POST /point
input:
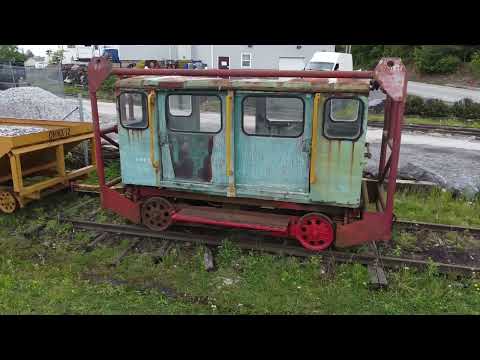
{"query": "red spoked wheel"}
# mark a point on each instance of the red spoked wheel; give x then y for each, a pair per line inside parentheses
(157, 213)
(315, 232)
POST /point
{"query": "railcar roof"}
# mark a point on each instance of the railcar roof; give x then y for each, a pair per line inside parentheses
(309, 85)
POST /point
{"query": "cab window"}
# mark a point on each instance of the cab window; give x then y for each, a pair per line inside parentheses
(133, 110)
(343, 118)
(274, 116)
(197, 113)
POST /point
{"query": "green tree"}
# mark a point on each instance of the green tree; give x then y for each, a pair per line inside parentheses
(10, 53)
(57, 57)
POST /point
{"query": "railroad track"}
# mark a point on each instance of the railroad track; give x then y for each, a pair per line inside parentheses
(453, 130)
(417, 225)
(216, 238)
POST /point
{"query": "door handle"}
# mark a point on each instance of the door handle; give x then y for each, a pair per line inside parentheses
(306, 146)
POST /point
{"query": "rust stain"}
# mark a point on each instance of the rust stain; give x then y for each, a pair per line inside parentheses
(351, 164)
(329, 165)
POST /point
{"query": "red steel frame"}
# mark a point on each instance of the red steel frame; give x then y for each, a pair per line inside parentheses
(390, 76)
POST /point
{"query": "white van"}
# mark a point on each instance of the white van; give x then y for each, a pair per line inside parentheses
(330, 61)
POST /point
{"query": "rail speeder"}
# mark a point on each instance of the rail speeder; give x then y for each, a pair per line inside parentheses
(281, 152)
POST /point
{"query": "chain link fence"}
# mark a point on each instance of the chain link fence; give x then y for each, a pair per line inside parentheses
(49, 78)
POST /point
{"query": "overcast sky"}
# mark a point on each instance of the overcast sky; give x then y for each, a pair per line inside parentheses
(38, 50)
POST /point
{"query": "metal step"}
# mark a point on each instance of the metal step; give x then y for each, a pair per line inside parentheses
(233, 218)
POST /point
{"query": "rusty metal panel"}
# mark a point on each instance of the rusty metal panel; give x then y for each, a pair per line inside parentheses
(339, 167)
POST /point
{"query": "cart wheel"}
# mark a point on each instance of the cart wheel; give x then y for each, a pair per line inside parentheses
(8, 203)
(315, 231)
(157, 213)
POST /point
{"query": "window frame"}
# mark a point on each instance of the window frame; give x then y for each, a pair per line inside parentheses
(167, 112)
(277, 96)
(360, 119)
(241, 60)
(144, 109)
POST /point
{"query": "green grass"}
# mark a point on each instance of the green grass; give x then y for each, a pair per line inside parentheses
(112, 171)
(51, 278)
(52, 274)
(437, 206)
(416, 120)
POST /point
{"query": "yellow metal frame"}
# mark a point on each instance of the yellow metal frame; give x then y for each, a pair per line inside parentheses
(151, 114)
(63, 176)
(231, 192)
(313, 158)
(56, 135)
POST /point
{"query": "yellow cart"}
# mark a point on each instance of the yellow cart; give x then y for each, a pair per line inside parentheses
(30, 149)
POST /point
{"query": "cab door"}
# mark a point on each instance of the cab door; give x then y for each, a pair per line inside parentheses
(338, 149)
(192, 140)
(272, 144)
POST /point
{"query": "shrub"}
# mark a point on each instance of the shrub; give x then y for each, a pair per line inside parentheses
(109, 83)
(466, 109)
(435, 60)
(475, 63)
(448, 64)
(435, 108)
(414, 105)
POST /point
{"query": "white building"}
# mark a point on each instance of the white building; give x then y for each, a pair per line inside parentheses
(227, 56)
(286, 57)
(37, 62)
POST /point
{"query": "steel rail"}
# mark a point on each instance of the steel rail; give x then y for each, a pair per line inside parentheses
(275, 248)
(438, 128)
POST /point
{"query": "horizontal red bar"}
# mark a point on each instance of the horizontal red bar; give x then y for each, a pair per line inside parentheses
(108, 130)
(246, 73)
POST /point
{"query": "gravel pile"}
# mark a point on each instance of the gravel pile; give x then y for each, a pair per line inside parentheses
(19, 130)
(36, 103)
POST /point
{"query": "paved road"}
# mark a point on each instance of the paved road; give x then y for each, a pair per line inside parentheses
(448, 94)
(445, 93)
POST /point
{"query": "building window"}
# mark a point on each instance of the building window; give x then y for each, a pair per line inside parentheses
(273, 116)
(247, 60)
(194, 113)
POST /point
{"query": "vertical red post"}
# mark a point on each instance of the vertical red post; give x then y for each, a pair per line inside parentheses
(98, 139)
(396, 112)
(387, 121)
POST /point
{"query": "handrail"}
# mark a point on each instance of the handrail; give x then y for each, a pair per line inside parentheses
(245, 73)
